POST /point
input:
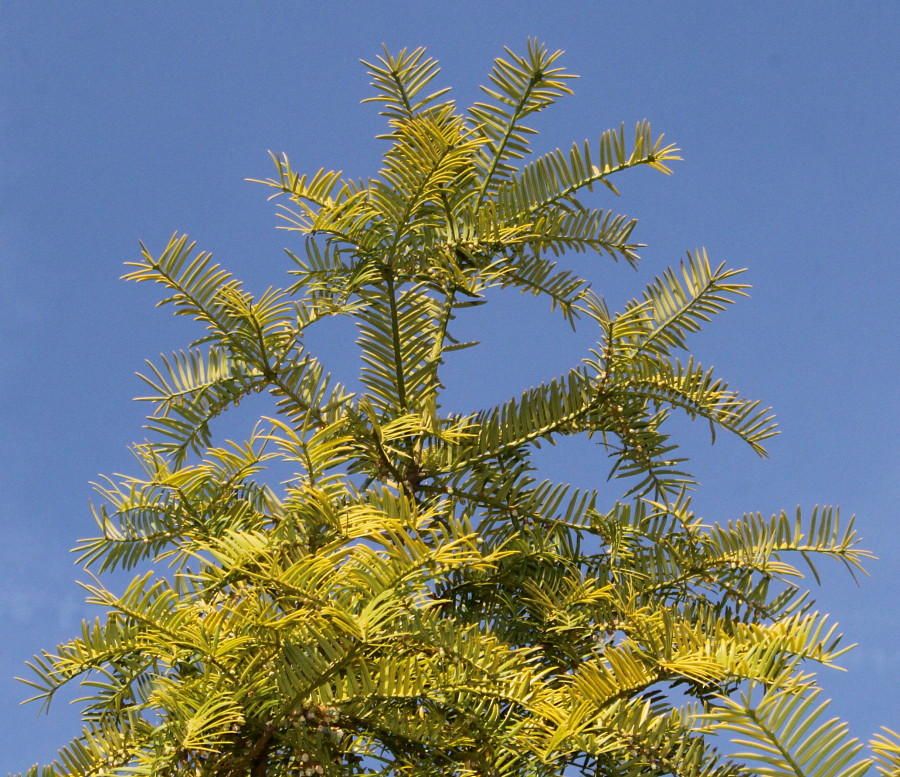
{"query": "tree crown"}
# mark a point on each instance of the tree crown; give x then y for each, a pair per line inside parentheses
(414, 600)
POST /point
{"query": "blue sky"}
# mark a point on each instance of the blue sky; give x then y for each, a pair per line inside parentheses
(128, 121)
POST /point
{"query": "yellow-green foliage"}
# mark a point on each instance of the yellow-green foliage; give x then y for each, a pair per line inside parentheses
(413, 601)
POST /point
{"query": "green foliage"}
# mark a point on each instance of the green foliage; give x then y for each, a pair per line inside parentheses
(413, 600)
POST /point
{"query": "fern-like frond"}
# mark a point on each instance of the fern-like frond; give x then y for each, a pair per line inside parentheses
(644, 455)
(555, 407)
(759, 542)
(696, 391)
(397, 337)
(307, 394)
(193, 281)
(310, 193)
(585, 229)
(539, 277)
(782, 734)
(191, 389)
(522, 85)
(428, 158)
(150, 518)
(553, 180)
(186, 376)
(322, 272)
(674, 307)
(400, 79)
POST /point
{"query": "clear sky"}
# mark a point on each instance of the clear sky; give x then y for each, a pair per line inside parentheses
(127, 121)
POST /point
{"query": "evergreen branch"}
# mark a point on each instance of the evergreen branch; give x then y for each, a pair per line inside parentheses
(673, 307)
(695, 391)
(195, 287)
(776, 732)
(539, 277)
(399, 80)
(526, 85)
(310, 193)
(553, 180)
(555, 407)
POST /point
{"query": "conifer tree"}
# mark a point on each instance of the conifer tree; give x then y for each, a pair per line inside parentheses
(415, 600)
